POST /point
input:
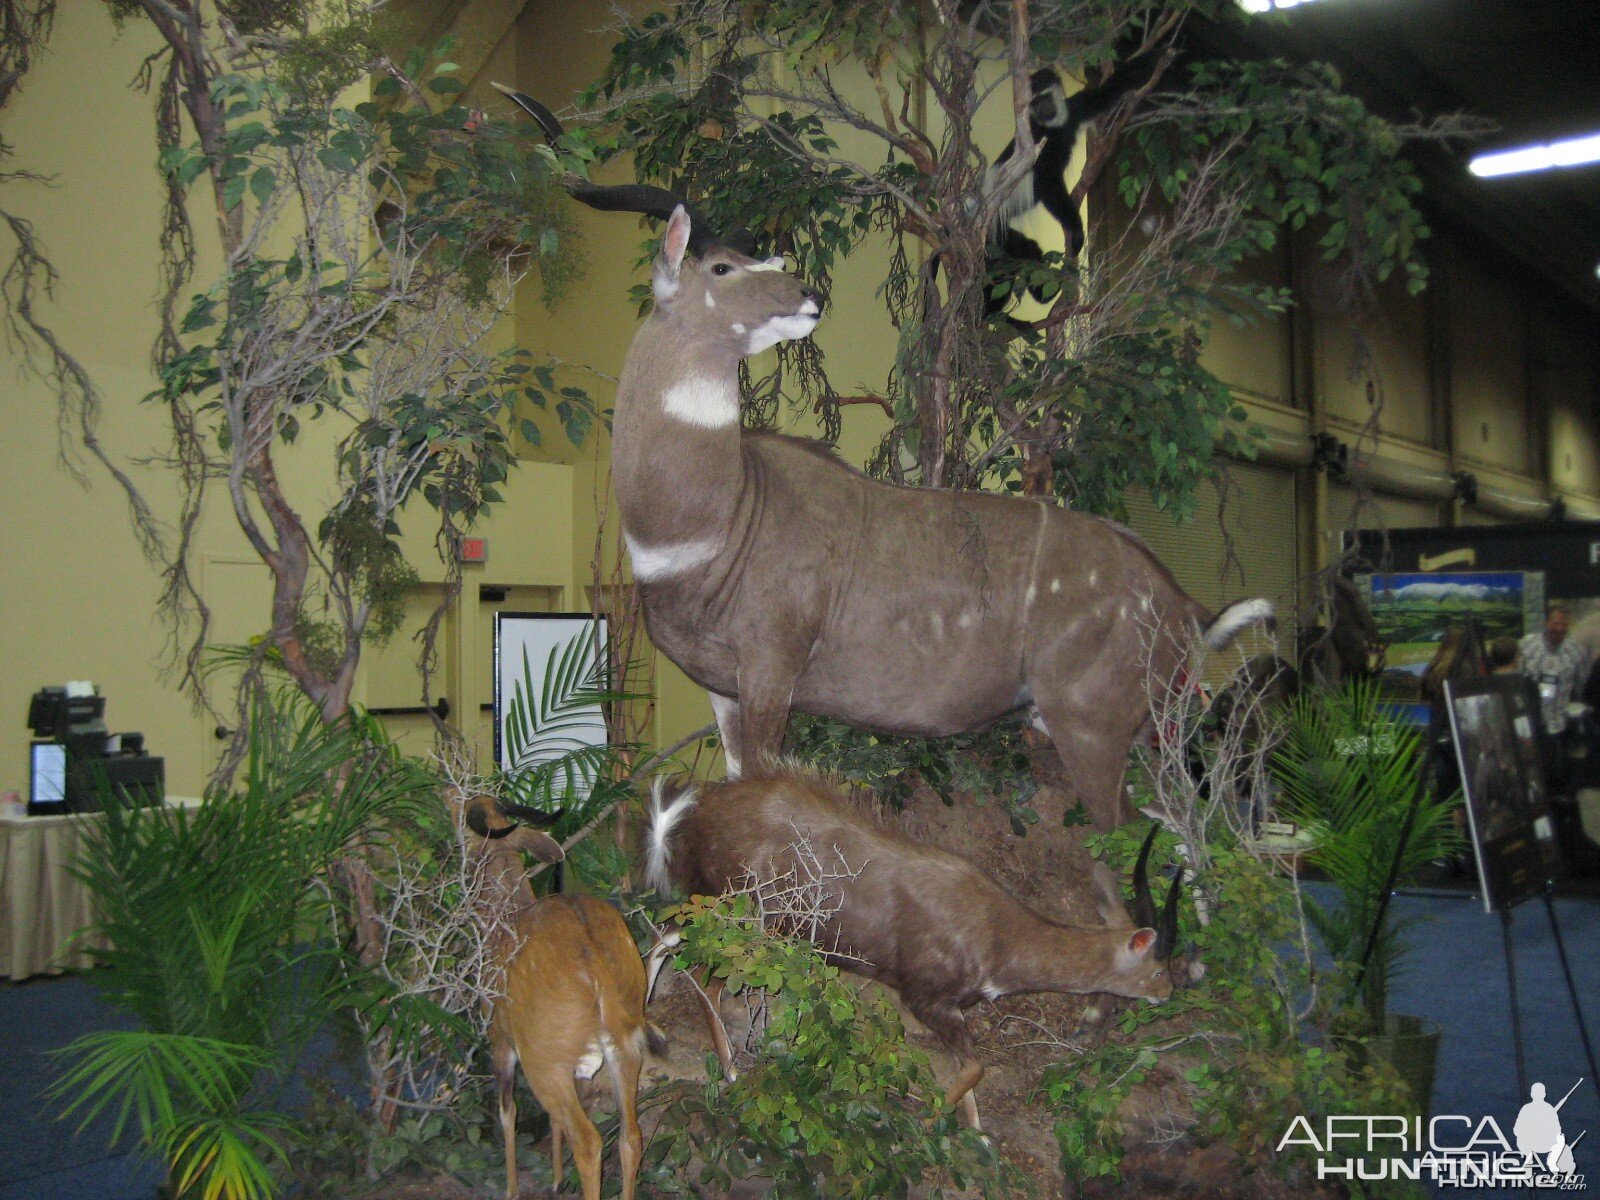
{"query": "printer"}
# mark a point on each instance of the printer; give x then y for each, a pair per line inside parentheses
(76, 760)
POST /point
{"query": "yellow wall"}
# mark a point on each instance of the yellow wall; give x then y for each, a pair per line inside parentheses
(79, 600)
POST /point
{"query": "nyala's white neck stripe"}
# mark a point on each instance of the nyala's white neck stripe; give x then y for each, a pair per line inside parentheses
(707, 403)
(652, 563)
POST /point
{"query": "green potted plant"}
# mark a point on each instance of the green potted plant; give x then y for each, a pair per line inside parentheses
(1351, 772)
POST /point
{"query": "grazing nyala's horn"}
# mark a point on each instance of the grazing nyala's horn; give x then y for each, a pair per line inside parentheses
(643, 198)
(1144, 908)
(1167, 929)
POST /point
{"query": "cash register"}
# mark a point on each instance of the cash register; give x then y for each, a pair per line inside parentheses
(76, 760)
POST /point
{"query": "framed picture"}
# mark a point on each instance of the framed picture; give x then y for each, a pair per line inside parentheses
(1420, 614)
(545, 667)
(1494, 722)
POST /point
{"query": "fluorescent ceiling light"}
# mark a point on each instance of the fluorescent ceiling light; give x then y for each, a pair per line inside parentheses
(1569, 152)
(1261, 6)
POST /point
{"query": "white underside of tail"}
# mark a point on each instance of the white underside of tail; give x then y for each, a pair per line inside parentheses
(1225, 626)
(662, 819)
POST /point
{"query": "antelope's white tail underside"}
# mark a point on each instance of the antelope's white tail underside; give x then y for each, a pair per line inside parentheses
(1228, 623)
(662, 818)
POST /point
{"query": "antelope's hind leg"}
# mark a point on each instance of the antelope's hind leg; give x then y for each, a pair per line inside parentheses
(625, 1064)
(708, 990)
(553, 1085)
(505, 1073)
(950, 1027)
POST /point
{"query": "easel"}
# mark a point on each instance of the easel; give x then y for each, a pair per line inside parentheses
(1511, 870)
(1460, 658)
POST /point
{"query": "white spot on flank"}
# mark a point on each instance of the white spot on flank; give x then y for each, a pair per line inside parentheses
(938, 626)
(1028, 596)
(1055, 586)
(711, 301)
(965, 620)
(651, 563)
(707, 403)
(738, 326)
(1094, 578)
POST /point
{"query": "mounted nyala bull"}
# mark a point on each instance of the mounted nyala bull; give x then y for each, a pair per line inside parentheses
(573, 1003)
(778, 578)
(918, 919)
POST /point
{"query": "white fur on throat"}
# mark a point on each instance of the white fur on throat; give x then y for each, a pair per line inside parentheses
(659, 857)
(651, 563)
(783, 329)
(1225, 626)
(703, 402)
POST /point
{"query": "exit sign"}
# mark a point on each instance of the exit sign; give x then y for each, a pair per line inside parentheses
(474, 550)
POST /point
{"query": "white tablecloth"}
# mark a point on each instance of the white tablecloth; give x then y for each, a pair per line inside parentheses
(43, 904)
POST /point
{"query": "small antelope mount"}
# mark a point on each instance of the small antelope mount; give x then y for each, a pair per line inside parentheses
(574, 1003)
(918, 919)
(778, 578)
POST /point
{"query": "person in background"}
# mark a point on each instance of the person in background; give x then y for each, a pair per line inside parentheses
(1556, 665)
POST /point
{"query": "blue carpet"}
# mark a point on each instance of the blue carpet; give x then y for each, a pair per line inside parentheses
(1456, 975)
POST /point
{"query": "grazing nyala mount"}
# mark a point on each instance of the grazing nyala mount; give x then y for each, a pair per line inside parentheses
(573, 1002)
(921, 920)
(778, 578)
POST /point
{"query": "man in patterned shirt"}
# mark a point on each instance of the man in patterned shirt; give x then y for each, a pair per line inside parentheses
(1556, 664)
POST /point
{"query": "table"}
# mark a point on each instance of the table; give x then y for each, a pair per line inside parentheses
(43, 903)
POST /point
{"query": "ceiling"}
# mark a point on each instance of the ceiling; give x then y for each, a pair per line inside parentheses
(1531, 67)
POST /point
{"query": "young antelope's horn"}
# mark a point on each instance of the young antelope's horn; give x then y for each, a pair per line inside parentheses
(1144, 908)
(1167, 929)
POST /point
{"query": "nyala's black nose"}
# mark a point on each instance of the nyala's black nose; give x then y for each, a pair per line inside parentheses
(816, 297)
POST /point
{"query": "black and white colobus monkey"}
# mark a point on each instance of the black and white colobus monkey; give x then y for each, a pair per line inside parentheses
(1057, 121)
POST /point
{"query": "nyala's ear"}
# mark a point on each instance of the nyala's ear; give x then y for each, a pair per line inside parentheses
(1108, 898)
(541, 845)
(1141, 941)
(668, 263)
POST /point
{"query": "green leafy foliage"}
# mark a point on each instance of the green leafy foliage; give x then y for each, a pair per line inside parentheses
(1351, 772)
(739, 106)
(1255, 1009)
(836, 1104)
(1306, 150)
(219, 938)
(992, 764)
